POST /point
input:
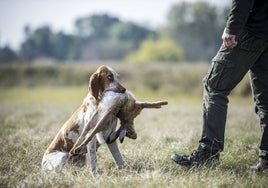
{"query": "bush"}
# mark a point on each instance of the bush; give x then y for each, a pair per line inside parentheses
(157, 51)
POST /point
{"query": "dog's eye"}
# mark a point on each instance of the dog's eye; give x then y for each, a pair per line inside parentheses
(110, 77)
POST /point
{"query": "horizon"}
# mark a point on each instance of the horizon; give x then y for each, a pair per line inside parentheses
(61, 15)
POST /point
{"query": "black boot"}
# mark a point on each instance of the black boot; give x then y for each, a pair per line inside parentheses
(201, 156)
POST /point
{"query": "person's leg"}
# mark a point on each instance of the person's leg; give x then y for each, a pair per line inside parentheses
(259, 83)
(227, 69)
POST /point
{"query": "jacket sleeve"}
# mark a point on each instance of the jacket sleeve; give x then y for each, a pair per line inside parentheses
(238, 15)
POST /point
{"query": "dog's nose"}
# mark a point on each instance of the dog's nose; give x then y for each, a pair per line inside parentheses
(123, 90)
(120, 89)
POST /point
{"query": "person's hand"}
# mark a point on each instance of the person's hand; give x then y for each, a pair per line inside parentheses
(228, 40)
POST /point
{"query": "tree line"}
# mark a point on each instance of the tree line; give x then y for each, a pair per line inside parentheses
(192, 32)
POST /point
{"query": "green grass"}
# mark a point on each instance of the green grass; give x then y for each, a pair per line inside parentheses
(30, 118)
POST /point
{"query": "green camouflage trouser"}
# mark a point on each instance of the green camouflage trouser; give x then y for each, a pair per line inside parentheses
(228, 68)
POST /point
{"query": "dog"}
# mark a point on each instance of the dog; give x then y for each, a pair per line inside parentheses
(104, 79)
(123, 106)
(95, 123)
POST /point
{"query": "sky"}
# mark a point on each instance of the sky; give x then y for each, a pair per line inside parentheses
(60, 15)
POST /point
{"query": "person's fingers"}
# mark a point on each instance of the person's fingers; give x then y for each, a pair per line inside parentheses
(229, 41)
(234, 43)
(225, 40)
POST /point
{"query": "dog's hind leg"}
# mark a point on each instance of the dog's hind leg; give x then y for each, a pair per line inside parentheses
(113, 147)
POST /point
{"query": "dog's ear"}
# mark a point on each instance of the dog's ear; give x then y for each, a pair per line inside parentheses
(94, 85)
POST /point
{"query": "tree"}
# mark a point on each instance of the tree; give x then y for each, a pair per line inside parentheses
(95, 26)
(38, 44)
(42, 42)
(65, 47)
(7, 55)
(131, 33)
(197, 27)
(107, 38)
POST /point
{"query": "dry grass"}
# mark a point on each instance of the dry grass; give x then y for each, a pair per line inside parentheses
(30, 119)
(27, 127)
(168, 79)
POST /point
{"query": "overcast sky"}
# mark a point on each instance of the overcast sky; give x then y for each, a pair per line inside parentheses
(61, 14)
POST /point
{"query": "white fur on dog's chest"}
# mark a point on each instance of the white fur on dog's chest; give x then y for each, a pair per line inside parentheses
(83, 119)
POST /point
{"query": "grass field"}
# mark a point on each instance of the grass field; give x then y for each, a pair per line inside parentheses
(30, 118)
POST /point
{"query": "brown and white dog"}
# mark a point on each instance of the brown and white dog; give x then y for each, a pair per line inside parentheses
(126, 108)
(95, 123)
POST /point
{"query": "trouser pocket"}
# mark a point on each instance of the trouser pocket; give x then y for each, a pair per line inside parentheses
(220, 75)
(250, 43)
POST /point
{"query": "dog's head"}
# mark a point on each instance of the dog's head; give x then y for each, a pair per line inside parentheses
(103, 79)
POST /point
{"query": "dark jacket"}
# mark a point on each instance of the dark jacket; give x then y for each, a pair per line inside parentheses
(251, 15)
